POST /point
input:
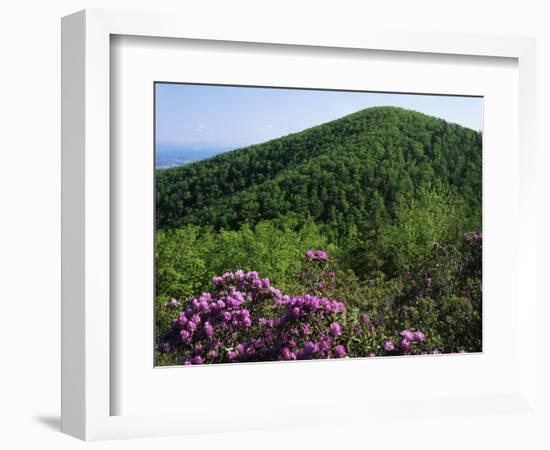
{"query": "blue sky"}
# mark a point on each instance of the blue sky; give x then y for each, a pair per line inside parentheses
(205, 116)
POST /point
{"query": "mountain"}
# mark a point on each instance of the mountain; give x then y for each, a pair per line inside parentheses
(339, 173)
(170, 155)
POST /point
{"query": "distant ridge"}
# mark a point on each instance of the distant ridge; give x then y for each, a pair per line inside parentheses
(172, 155)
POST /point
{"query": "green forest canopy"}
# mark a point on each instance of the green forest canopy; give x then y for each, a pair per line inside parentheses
(340, 173)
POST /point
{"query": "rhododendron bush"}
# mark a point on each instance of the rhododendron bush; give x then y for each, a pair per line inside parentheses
(244, 318)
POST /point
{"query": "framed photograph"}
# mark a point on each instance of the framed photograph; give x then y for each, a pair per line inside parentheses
(342, 224)
(257, 221)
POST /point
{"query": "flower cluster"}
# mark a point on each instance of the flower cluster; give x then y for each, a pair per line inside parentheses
(219, 326)
(318, 255)
(316, 275)
(172, 303)
(308, 328)
(244, 318)
(472, 236)
(407, 339)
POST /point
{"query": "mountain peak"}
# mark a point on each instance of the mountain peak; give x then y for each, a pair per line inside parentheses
(325, 171)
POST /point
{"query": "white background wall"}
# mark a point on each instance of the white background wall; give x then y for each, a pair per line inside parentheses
(30, 200)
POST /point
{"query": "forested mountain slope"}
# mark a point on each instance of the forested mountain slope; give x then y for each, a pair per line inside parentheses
(340, 173)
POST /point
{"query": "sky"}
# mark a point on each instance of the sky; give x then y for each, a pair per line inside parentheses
(207, 116)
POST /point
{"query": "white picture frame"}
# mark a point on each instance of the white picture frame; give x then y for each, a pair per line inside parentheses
(87, 384)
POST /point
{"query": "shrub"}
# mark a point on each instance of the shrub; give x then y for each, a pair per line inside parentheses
(244, 318)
